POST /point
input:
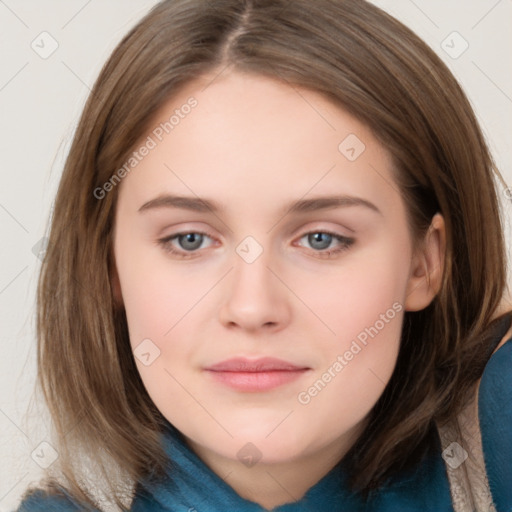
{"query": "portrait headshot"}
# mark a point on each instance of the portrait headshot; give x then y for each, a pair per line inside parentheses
(257, 256)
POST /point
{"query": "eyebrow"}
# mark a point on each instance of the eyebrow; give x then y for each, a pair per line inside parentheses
(203, 205)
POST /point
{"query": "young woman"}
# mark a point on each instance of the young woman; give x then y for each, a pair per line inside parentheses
(276, 274)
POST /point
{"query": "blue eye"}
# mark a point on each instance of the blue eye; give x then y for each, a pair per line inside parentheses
(187, 244)
(322, 240)
(190, 241)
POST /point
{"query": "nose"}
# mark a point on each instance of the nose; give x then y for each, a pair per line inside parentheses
(255, 298)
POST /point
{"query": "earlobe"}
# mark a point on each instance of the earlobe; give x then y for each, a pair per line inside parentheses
(427, 267)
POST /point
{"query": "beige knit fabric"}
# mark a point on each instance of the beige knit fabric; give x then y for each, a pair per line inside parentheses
(461, 442)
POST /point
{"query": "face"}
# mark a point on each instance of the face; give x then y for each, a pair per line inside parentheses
(264, 261)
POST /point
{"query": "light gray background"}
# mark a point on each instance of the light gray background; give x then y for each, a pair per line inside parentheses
(40, 101)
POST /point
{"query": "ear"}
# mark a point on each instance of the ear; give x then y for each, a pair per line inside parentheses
(427, 267)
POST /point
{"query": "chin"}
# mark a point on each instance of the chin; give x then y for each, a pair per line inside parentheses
(274, 446)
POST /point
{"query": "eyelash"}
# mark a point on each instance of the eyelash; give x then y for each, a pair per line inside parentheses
(345, 244)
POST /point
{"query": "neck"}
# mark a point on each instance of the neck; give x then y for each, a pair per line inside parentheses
(273, 484)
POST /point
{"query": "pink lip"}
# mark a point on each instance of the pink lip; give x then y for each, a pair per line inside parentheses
(255, 375)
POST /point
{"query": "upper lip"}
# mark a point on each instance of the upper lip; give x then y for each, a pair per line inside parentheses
(263, 364)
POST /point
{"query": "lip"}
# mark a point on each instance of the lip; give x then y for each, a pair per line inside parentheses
(255, 375)
(262, 364)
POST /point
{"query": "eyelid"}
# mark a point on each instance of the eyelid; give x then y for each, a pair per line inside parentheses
(343, 232)
(165, 243)
(344, 242)
(209, 235)
(183, 232)
(334, 234)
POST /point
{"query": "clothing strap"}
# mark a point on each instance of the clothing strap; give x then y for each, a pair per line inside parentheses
(461, 442)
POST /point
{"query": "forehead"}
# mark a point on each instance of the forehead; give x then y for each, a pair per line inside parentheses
(247, 137)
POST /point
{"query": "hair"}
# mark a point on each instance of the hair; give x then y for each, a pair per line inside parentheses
(376, 69)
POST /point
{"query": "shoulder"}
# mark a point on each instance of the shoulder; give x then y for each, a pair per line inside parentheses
(495, 416)
(495, 386)
(41, 501)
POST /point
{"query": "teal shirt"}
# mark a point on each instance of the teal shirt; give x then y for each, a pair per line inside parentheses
(195, 488)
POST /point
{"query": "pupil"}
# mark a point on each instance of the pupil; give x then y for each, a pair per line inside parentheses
(320, 240)
(191, 241)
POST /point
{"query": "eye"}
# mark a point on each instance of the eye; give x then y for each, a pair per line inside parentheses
(188, 243)
(321, 241)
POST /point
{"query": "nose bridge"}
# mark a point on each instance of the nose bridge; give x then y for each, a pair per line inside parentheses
(253, 297)
(251, 274)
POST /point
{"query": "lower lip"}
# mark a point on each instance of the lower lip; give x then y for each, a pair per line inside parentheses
(256, 381)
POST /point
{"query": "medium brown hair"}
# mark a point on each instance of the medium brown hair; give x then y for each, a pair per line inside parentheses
(379, 71)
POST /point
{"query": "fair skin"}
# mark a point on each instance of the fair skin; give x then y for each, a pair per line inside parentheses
(253, 145)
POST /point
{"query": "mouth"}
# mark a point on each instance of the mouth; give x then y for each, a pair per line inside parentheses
(255, 375)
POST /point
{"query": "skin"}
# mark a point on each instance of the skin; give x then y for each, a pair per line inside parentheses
(254, 144)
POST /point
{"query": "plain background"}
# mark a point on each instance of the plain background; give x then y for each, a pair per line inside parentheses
(41, 99)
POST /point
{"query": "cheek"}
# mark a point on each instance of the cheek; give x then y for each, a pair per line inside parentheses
(353, 296)
(156, 296)
(361, 307)
(160, 306)
(356, 363)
